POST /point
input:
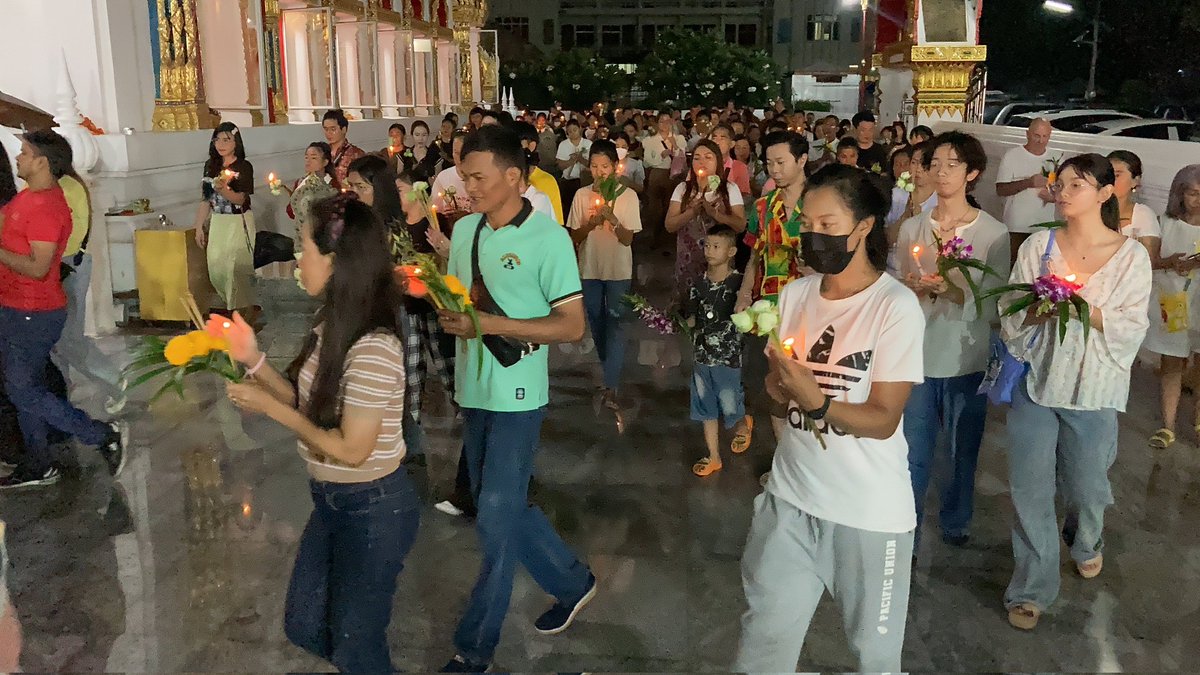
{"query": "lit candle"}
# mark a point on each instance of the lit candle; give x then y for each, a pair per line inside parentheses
(916, 254)
(1070, 278)
(271, 177)
(787, 346)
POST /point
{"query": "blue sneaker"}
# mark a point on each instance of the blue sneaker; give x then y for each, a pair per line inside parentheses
(559, 617)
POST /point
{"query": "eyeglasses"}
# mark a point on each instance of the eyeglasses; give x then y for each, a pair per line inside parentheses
(1071, 188)
(936, 166)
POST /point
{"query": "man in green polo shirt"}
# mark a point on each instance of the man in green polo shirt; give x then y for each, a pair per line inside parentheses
(523, 277)
(773, 234)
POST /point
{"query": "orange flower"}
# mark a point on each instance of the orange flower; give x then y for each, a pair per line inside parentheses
(454, 285)
(179, 350)
(410, 271)
(416, 288)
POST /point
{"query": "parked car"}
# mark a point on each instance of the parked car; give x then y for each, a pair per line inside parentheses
(1001, 112)
(1167, 130)
(1070, 120)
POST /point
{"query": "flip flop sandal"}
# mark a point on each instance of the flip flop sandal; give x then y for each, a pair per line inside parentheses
(741, 442)
(1091, 569)
(706, 467)
(1164, 438)
(1024, 616)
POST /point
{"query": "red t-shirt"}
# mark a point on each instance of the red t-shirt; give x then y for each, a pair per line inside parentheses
(34, 216)
(739, 175)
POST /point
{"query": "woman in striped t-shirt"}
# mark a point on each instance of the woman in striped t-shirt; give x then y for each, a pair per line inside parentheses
(344, 397)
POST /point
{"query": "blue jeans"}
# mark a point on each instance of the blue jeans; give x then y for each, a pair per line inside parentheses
(1077, 447)
(26, 339)
(339, 600)
(500, 447)
(949, 405)
(77, 350)
(607, 315)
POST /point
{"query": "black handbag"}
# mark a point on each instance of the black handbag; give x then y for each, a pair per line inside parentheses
(506, 350)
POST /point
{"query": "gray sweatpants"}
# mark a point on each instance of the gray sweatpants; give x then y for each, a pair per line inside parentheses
(791, 558)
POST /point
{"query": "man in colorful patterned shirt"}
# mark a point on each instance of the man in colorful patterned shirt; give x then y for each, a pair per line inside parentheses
(773, 234)
(336, 126)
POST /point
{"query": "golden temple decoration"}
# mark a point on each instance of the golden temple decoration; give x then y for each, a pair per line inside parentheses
(943, 76)
(181, 104)
(274, 48)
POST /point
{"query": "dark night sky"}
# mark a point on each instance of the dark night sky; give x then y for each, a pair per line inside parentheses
(1031, 49)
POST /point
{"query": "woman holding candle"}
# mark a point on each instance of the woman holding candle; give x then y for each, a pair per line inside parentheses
(1174, 316)
(703, 200)
(837, 516)
(1137, 220)
(317, 184)
(395, 152)
(343, 397)
(224, 222)
(423, 160)
(957, 335)
(603, 232)
(1063, 421)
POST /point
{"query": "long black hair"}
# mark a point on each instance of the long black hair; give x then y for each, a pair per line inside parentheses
(1099, 168)
(8, 186)
(360, 298)
(865, 194)
(374, 170)
(214, 164)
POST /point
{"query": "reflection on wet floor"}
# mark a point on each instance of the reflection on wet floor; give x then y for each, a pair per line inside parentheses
(182, 563)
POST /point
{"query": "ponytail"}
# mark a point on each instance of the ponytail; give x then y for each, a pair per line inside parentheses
(1110, 213)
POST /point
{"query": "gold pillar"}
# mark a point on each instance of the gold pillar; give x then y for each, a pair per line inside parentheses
(180, 105)
(468, 15)
(273, 46)
(943, 77)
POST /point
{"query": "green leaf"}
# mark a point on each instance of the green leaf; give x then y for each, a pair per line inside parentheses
(1023, 303)
(1051, 225)
(1007, 288)
(150, 375)
(1064, 320)
(1085, 314)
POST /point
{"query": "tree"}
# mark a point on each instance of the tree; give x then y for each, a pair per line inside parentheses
(577, 78)
(697, 68)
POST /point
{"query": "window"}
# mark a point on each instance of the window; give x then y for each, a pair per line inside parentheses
(629, 35)
(585, 35)
(567, 35)
(517, 25)
(747, 34)
(1160, 131)
(856, 29)
(783, 31)
(548, 32)
(649, 34)
(822, 27)
(610, 36)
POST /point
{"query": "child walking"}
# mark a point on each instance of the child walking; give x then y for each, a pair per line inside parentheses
(716, 344)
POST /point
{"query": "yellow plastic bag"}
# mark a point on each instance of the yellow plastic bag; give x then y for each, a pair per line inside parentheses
(1174, 311)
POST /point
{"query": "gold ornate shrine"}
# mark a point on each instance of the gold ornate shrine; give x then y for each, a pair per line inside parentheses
(180, 104)
(943, 77)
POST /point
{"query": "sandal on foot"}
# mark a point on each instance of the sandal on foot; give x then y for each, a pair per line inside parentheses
(1024, 616)
(741, 442)
(1091, 569)
(1164, 438)
(706, 467)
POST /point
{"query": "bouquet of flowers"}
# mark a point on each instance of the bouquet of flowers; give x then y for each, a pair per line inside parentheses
(762, 318)
(713, 183)
(656, 319)
(1050, 168)
(205, 349)
(1050, 294)
(274, 183)
(609, 189)
(956, 255)
(449, 194)
(421, 279)
(905, 182)
(420, 193)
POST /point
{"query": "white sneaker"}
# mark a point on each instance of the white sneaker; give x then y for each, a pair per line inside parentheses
(447, 508)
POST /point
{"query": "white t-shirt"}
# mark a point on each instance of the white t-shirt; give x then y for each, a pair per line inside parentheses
(449, 178)
(1025, 209)
(1144, 223)
(601, 255)
(566, 149)
(540, 202)
(873, 336)
(735, 195)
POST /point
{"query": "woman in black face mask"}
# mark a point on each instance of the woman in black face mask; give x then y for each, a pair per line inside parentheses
(838, 510)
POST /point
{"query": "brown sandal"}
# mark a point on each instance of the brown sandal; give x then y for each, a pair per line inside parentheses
(706, 467)
(741, 442)
(1024, 615)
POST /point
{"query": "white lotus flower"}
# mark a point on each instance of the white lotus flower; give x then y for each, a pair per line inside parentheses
(766, 322)
(752, 89)
(762, 306)
(421, 186)
(742, 321)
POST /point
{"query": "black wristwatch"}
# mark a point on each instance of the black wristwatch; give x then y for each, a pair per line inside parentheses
(819, 413)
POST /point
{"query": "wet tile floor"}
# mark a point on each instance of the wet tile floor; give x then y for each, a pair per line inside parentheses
(181, 564)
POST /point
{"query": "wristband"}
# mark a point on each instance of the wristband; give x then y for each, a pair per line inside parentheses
(819, 413)
(261, 360)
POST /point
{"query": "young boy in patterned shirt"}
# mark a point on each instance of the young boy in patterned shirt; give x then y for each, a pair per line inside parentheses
(716, 344)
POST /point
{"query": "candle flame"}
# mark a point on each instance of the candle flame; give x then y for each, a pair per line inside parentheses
(787, 345)
(416, 271)
(916, 250)
(271, 177)
(246, 509)
(1070, 278)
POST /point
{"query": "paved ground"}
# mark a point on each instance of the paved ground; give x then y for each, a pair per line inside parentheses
(181, 564)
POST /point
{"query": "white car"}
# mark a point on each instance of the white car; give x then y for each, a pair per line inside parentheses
(1166, 130)
(1070, 120)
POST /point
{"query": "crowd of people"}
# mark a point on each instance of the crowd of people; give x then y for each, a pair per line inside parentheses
(876, 360)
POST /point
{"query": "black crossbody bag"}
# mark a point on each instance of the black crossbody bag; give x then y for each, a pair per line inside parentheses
(506, 350)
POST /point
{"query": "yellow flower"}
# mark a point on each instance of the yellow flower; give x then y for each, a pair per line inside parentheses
(180, 350)
(454, 285)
